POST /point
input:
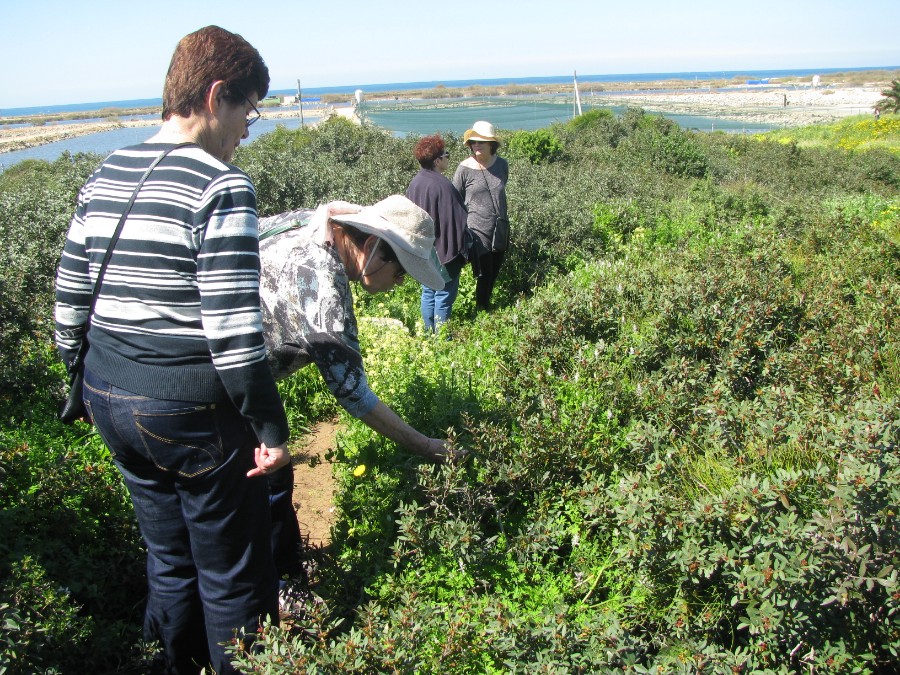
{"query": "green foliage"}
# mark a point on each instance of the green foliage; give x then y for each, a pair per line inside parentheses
(306, 400)
(679, 462)
(36, 204)
(594, 129)
(30, 642)
(861, 132)
(682, 424)
(539, 146)
(669, 148)
(71, 564)
(591, 118)
(302, 168)
(891, 100)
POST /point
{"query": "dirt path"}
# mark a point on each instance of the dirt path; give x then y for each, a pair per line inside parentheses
(313, 485)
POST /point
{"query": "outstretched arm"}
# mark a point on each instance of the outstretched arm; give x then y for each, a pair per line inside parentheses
(389, 424)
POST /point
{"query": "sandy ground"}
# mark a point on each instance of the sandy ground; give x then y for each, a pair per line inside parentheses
(314, 485)
(804, 106)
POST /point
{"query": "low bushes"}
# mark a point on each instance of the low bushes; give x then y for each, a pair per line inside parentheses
(683, 458)
(682, 425)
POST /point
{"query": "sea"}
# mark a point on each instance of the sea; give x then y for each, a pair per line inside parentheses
(507, 113)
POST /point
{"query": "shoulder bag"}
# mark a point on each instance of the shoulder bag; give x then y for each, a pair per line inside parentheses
(500, 236)
(73, 407)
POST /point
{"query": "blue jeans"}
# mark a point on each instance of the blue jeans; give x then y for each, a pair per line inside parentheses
(206, 525)
(437, 305)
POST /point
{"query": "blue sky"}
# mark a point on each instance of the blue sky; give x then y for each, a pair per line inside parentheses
(61, 52)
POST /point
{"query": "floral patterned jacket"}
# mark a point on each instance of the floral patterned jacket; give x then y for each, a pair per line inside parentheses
(307, 310)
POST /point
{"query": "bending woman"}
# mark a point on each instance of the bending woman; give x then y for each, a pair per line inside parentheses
(308, 317)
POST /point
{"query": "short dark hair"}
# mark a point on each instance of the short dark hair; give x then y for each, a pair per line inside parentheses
(428, 149)
(207, 56)
(359, 239)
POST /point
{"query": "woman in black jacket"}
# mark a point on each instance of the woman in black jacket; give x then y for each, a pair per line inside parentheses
(433, 192)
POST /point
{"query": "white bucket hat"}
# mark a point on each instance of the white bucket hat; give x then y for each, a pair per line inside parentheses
(410, 232)
(480, 131)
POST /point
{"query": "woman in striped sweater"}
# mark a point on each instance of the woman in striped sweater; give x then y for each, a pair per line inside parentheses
(176, 377)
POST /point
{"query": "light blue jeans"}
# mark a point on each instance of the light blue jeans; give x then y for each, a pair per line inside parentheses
(438, 305)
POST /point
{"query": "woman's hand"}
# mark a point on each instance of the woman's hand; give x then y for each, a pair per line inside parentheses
(438, 450)
(387, 423)
(269, 460)
(325, 212)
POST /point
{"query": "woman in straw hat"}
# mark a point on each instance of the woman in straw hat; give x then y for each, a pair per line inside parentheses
(481, 180)
(308, 260)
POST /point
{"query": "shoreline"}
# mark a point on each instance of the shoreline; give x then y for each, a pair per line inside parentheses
(772, 105)
(778, 107)
(23, 138)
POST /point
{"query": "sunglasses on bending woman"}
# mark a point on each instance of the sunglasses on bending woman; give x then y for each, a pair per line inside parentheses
(387, 254)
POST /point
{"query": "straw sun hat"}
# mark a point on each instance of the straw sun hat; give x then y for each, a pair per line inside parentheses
(480, 131)
(410, 232)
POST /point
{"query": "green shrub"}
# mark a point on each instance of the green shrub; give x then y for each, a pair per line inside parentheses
(71, 564)
(592, 118)
(539, 146)
(669, 148)
(682, 425)
(37, 200)
(303, 168)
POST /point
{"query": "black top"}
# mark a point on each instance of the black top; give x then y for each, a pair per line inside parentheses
(434, 193)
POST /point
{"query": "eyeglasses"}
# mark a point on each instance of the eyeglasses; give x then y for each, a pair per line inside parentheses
(252, 118)
(388, 255)
(444, 155)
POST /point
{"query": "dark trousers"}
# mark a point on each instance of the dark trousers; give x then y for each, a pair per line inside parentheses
(287, 542)
(486, 268)
(205, 523)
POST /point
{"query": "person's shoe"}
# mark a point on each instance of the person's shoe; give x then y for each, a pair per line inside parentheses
(293, 593)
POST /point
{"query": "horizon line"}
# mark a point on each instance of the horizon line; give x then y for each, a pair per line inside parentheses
(415, 84)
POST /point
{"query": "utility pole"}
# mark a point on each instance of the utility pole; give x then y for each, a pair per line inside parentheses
(300, 102)
(576, 108)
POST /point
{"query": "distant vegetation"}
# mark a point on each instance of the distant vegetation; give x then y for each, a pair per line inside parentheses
(104, 113)
(852, 133)
(683, 420)
(869, 78)
(891, 100)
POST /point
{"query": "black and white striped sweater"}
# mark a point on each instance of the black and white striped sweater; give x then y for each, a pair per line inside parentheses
(178, 315)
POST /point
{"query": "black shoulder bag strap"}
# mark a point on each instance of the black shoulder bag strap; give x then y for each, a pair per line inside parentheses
(82, 350)
(490, 194)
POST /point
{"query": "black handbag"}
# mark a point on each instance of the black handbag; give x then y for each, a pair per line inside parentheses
(500, 234)
(500, 240)
(73, 407)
